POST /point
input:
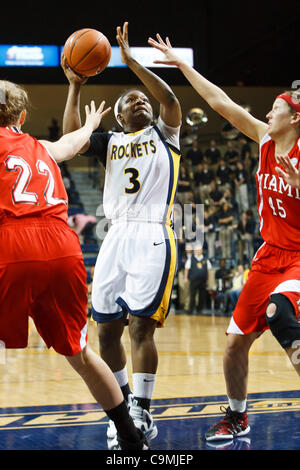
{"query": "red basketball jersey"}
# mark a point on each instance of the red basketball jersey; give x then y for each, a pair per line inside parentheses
(278, 203)
(30, 179)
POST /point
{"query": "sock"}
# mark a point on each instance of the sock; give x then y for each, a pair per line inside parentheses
(143, 402)
(237, 405)
(143, 386)
(123, 422)
(122, 379)
(126, 391)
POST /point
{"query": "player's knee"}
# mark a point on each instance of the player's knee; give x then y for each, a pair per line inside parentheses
(79, 360)
(237, 346)
(271, 310)
(281, 319)
(108, 335)
(141, 329)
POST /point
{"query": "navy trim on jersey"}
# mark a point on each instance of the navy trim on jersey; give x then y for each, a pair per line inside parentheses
(14, 129)
(98, 146)
(106, 317)
(171, 179)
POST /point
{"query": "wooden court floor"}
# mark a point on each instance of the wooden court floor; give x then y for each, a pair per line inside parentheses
(190, 364)
(45, 405)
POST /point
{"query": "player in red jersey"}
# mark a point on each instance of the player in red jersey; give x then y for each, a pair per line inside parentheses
(42, 274)
(271, 295)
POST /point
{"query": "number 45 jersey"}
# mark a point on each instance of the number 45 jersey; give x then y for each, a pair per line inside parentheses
(278, 203)
(30, 179)
(141, 172)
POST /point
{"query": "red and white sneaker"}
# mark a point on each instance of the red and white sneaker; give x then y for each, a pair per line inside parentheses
(233, 424)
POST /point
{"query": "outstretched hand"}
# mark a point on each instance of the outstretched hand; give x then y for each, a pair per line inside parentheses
(165, 47)
(122, 39)
(291, 174)
(94, 116)
(71, 76)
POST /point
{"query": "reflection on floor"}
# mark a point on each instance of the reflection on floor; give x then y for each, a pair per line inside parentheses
(182, 422)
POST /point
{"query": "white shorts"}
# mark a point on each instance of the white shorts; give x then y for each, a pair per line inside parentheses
(134, 272)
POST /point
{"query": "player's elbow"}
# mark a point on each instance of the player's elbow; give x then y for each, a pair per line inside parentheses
(64, 152)
(171, 99)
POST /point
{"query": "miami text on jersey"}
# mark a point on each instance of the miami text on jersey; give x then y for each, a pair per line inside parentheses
(277, 184)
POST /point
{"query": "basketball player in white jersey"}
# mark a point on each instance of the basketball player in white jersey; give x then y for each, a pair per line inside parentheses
(136, 264)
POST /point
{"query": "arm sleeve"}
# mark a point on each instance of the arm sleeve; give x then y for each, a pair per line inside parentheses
(98, 146)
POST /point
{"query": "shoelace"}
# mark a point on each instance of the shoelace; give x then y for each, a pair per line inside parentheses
(229, 418)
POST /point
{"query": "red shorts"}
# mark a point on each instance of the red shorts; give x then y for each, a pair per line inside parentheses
(273, 271)
(42, 275)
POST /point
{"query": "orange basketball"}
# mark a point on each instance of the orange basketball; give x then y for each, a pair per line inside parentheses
(87, 52)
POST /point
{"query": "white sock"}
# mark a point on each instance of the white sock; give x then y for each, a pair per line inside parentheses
(237, 405)
(121, 377)
(143, 384)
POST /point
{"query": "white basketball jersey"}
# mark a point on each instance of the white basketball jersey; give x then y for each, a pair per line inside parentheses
(142, 174)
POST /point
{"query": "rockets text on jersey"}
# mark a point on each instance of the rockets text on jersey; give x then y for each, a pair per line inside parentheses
(142, 174)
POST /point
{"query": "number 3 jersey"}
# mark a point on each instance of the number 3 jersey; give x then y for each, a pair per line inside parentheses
(278, 203)
(141, 172)
(30, 179)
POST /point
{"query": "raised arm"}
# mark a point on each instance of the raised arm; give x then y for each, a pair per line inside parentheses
(70, 144)
(212, 94)
(71, 118)
(170, 110)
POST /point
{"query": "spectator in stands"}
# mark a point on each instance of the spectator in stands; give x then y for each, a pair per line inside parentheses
(225, 221)
(232, 294)
(223, 278)
(210, 233)
(215, 196)
(197, 179)
(213, 155)
(224, 175)
(89, 281)
(205, 178)
(241, 187)
(184, 185)
(245, 154)
(54, 130)
(245, 234)
(229, 198)
(73, 195)
(184, 281)
(82, 224)
(231, 155)
(196, 271)
(64, 169)
(181, 257)
(194, 155)
(193, 226)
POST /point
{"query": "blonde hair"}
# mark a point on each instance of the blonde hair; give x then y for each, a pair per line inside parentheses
(13, 100)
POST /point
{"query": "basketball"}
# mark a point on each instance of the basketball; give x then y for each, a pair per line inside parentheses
(87, 52)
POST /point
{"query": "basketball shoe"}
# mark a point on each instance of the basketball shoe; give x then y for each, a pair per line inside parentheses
(122, 444)
(143, 420)
(233, 424)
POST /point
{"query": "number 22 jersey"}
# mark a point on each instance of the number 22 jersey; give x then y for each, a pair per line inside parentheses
(278, 203)
(30, 179)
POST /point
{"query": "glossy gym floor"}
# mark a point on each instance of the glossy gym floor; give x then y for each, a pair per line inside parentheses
(45, 406)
